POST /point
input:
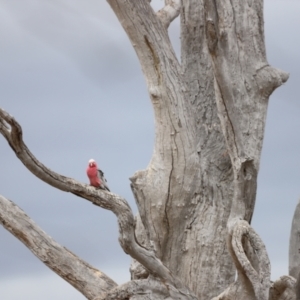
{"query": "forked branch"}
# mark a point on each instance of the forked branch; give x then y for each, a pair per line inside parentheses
(86, 279)
(12, 131)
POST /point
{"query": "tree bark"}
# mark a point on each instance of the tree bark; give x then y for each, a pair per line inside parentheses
(12, 131)
(252, 263)
(283, 288)
(294, 248)
(210, 114)
(196, 197)
(85, 278)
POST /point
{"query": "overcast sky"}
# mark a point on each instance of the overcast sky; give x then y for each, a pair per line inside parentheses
(69, 75)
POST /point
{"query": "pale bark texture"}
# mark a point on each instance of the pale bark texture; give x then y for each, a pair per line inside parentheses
(294, 249)
(197, 195)
(285, 288)
(78, 273)
(210, 111)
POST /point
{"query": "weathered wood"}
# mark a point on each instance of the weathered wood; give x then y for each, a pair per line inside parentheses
(169, 12)
(86, 279)
(199, 188)
(12, 131)
(283, 289)
(252, 263)
(207, 259)
(137, 270)
(139, 290)
(168, 191)
(294, 248)
(243, 82)
(209, 113)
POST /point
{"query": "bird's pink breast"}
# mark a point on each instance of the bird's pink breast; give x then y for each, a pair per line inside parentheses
(92, 173)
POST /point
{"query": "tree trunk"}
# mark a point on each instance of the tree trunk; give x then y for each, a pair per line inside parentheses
(196, 197)
(210, 114)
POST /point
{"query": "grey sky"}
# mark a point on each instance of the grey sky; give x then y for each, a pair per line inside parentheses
(69, 75)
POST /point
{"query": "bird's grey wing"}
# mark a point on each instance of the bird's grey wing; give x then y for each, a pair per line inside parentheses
(103, 180)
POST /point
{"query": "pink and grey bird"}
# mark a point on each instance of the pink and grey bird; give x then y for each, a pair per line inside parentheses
(96, 176)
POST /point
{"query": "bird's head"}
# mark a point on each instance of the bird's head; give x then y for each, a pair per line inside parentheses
(92, 163)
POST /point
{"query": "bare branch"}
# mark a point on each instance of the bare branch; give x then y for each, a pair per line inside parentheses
(251, 260)
(169, 12)
(148, 288)
(137, 270)
(86, 279)
(157, 57)
(104, 199)
(283, 288)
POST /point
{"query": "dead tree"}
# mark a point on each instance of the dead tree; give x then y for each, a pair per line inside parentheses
(197, 195)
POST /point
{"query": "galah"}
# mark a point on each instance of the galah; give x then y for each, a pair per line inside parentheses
(96, 176)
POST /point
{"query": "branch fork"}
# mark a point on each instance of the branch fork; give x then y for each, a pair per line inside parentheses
(118, 205)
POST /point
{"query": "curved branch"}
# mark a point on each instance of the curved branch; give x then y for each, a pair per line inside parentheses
(169, 12)
(148, 288)
(283, 288)
(86, 279)
(251, 260)
(104, 199)
(137, 270)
